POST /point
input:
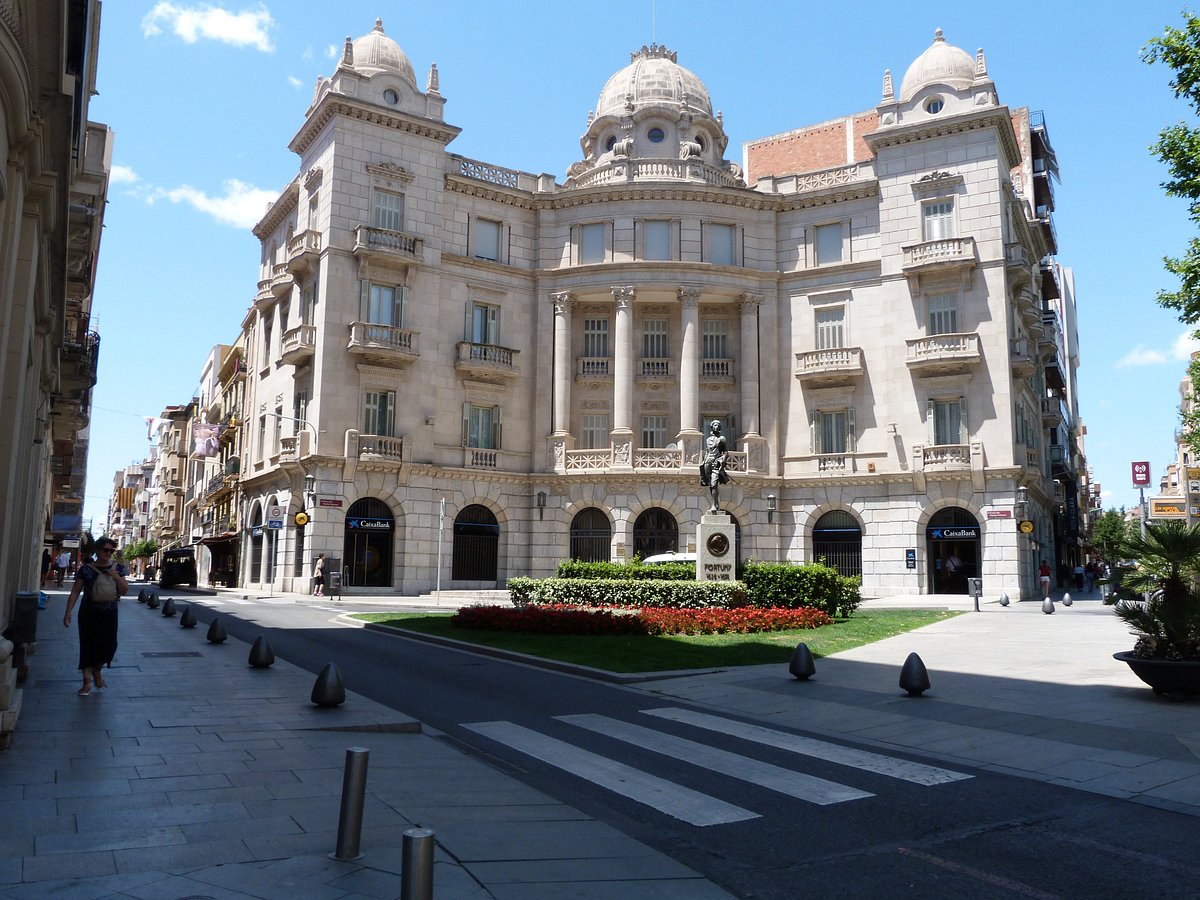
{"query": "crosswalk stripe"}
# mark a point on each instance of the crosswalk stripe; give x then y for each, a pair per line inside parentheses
(903, 769)
(672, 799)
(776, 778)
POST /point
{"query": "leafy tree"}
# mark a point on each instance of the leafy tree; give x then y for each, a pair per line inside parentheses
(1108, 534)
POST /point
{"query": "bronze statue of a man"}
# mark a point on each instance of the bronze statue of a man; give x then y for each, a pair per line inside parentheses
(712, 468)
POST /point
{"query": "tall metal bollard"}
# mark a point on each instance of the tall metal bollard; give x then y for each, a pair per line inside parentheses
(354, 789)
(416, 865)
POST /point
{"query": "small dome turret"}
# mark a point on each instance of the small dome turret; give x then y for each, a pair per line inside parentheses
(942, 63)
(652, 78)
(376, 52)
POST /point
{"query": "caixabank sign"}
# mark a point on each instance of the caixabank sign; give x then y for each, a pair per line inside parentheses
(953, 532)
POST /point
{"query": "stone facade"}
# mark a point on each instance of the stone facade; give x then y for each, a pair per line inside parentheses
(869, 319)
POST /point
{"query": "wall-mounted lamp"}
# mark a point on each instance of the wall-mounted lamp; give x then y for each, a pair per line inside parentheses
(771, 507)
(1022, 494)
(310, 488)
(541, 504)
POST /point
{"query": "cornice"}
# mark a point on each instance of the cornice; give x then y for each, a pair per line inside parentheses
(332, 105)
(472, 187)
(841, 193)
(279, 210)
(997, 117)
(741, 197)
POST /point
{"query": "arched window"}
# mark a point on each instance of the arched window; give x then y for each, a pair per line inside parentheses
(476, 545)
(591, 536)
(655, 531)
(837, 538)
(256, 543)
(367, 547)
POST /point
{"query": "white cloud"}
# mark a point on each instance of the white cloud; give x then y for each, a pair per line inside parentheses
(293, 81)
(242, 205)
(122, 175)
(1141, 356)
(333, 51)
(1185, 345)
(248, 28)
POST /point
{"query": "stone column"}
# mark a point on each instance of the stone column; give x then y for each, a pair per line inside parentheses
(622, 432)
(563, 301)
(748, 365)
(689, 374)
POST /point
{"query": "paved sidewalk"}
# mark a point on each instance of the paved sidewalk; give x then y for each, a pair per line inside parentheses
(192, 774)
(1013, 690)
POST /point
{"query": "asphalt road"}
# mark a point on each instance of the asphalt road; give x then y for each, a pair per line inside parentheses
(762, 821)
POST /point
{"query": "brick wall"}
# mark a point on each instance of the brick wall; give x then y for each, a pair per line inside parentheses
(820, 146)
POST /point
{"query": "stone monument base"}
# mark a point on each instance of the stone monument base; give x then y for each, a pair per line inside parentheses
(716, 550)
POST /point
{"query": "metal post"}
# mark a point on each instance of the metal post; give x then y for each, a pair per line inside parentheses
(354, 789)
(416, 866)
(441, 528)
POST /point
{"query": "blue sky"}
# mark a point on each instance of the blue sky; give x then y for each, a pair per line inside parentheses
(204, 98)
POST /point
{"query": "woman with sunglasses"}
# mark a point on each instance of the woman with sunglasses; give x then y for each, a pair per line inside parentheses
(101, 583)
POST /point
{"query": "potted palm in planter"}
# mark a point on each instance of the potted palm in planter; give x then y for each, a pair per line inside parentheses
(1167, 653)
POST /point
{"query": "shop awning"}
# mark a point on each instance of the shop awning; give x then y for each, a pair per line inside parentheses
(219, 538)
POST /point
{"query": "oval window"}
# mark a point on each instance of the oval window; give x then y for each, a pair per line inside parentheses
(391, 97)
(700, 142)
(934, 106)
(609, 144)
(656, 135)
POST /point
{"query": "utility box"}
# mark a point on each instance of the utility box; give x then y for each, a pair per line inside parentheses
(23, 627)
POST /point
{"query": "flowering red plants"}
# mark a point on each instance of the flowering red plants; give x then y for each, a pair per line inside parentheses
(563, 619)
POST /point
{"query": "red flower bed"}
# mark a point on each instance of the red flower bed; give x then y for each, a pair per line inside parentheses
(562, 619)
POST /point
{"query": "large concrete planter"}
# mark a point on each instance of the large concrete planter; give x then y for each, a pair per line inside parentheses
(1165, 676)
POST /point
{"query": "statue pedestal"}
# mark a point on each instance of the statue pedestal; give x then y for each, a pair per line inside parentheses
(716, 554)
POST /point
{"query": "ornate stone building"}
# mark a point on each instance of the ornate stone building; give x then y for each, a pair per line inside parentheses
(451, 360)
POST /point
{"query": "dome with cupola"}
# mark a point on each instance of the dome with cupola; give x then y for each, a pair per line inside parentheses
(942, 63)
(652, 78)
(375, 52)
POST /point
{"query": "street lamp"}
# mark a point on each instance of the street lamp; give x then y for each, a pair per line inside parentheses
(771, 507)
(541, 504)
(310, 488)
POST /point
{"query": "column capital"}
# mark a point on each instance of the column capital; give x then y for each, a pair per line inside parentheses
(562, 300)
(623, 294)
(689, 296)
(749, 303)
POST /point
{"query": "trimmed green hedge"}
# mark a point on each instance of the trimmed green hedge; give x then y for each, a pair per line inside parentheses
(790, 585)
(628, 592)
(636, 570)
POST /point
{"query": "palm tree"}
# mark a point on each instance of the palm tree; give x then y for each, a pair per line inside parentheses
(1168, 568)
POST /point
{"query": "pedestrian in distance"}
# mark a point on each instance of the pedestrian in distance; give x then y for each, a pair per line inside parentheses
(1089, 576)
(101, 584)
(61, 564)
(1079, 573)
(47, 565)
(1044, 578)
(319, 576)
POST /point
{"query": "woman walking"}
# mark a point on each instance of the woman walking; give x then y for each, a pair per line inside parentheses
(319, 576)
(101, 583)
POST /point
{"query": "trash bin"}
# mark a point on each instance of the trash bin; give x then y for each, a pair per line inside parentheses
(22, 629)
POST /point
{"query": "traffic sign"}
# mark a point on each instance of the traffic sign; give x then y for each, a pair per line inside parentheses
(1141, 474)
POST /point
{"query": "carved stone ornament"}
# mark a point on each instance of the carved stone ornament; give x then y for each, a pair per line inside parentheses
(431, 83)
(623, 295)
(934, 176)
(888, 92)
(689, 297)
(313, 178)
(562, 301)
(390, 170)
(622, 452)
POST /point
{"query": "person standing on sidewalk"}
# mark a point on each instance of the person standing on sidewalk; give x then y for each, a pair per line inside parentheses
(319, 576)
(60, 566)
(1044, 578)
(101, 583)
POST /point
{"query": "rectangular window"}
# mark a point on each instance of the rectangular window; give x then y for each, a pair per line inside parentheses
(654, 432)
(943, 314)
(721, 245)
(379, 410)
(595, 432)
(308, 304)
(268, 321)
(654, 339)
(595, 338)
(300, 409)
(487, 240)
(278, 427)
(831, 328)
(285, 313)
(481, 427)
(383, 305)
(938, 220)
(389, 211)
(830, 431)
(262, 436)
(827, 240)
(714, 339)
(591, 243)
(485, 324)
(656, 239)
(947, 422)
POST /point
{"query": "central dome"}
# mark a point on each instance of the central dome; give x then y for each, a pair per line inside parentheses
(942, 63)
(652, 78)
(376, 52)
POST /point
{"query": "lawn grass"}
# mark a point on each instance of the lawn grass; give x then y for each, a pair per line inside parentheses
(645, 653)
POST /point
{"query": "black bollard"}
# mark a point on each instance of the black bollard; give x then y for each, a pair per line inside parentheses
(152, 601)
(802, 664)
(261, 654)
(143, 595)
(329, 689)
(187, 618)
(914, 677)
(216, 631)
(168, 609)
(1048, 606)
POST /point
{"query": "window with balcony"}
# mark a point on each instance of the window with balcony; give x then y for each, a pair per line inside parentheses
(481, 427)
(656, 239)
(829, 244)
(947, 421)
(594, 433)
(595, 338)
(937, 220)
(300, 408)
(943, 314)
(486, 243)
(308, 304)
(484, 324)
(591, 243)
(714, 339)
(268, 321)
(285, 312)
(388, 210)
(720, 244)
(831, 327)
(379, 413)
(261, 446)
(383, 304)
(278, 428)
(833, 431)
(654, 432)
(654, 347)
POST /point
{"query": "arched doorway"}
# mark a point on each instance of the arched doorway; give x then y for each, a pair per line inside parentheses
(953, 550)
(838, 538)
(591, 536)
(655, 531)
(476, 545)
(367, 548)
(256, 544)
